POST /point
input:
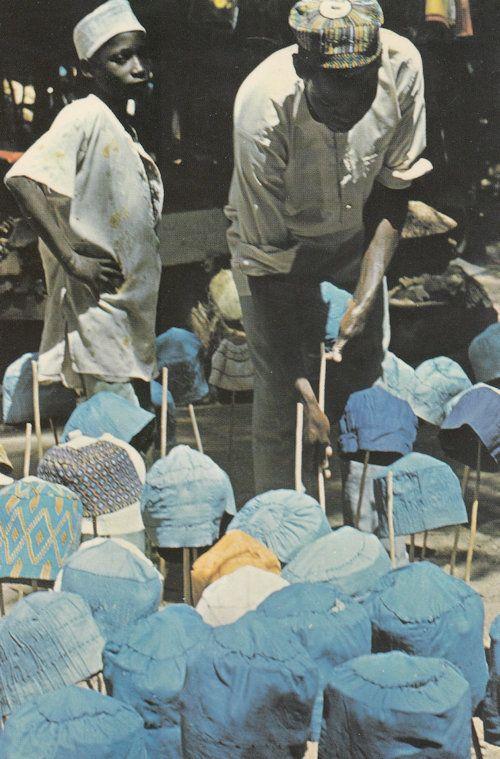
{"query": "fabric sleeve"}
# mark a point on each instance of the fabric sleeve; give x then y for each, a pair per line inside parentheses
(402, 163)
(54, 158)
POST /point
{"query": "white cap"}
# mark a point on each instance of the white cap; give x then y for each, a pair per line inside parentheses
(105, 22)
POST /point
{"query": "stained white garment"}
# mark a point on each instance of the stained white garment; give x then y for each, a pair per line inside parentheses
(296, 184)
(115, 199)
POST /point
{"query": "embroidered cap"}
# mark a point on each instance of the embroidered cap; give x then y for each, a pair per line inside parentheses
(106, 21)
(345, 33)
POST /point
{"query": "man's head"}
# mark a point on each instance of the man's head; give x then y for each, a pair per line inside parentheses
(338, 58)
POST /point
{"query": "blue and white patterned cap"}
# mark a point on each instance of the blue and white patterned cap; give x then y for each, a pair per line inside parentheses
(437, 380)
(74, 722)
(484, 354)
(48, 640)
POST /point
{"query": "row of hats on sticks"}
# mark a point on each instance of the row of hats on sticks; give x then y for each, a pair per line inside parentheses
(335, 648)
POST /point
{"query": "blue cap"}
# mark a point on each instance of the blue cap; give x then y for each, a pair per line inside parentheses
(184, 498)
(331, 626)
(146, 668)
(107, 412)
(427, 495)
(484, 354)
(474, 419)
(56, 401)
(436, 382)
(283, 520)
(348, 559)
(424, 611)
(47, 641)
(395, 705)
(249, 691)
(74, 722)
(336, 301)
(490, 708)
(117, 581)
(181, 352)
(41, 524)
(398, 378)
(376, 421)
(156, 395)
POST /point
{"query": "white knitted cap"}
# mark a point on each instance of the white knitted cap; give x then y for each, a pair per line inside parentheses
(105, 22)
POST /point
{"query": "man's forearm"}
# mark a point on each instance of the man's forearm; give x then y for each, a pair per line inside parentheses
(375, 263)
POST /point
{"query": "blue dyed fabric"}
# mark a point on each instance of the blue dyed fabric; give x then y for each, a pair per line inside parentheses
(490, 711)
(117, 581)
(331, 626)
(484, 354)
(107, 412)
(337, 301)
(40, 528)
(398, 378)
(392, 705)
(283, 520)
(56, 401)
(146, 669)
(249, 692)
(437, 381)
(427, 495)
(156, 394)
(474, 419)
(374, 420)
(348, 559)
(73, 722)
(423, 611)
(47, 641)
(184, 498)
(181, 352)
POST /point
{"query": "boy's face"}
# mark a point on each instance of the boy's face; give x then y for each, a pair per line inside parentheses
(120, 67)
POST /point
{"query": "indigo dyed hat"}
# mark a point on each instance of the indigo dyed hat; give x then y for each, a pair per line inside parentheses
(56, 401)
(436, 382)
(348, 559)
(47, 641)
(147, 668)
(376, 421)
(484, 354)
(249, 691)
(234, 550)
(74, 722)
(427, 495)
(490, 708)
(345, 34)
(230, 597)
(106, 21)
(398, 378)
(41, 524)
(107, 412)
(474, 419)
(283, 520)
(336, 301)
(181, 351)
(425, 612)
(331, 626)
(232, 367)
(184, 498)
(391, 703)
(156, 393)
(117, 581)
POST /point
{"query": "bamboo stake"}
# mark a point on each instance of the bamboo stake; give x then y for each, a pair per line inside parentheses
(412, 547)
(94, 526)
(299, 430)
(54, 431)
(186, 576)
(424, 545)
(27, 451)
(362, 485)
(164, 409)
(321, 403)
(453, 557)
(390, 516)
(231, 432)
(36, 408)
(473, 517)
(195, 427)
(2, 604)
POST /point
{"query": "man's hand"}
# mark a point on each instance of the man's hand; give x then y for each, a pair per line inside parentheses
(101, 275)
(317, 426)
(352, 324)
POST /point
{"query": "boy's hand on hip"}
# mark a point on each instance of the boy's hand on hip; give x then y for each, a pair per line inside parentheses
(101, 275)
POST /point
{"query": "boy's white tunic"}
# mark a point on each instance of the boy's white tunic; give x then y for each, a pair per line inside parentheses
(116, 196)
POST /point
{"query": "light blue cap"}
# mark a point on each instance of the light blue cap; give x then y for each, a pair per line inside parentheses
(336, 301)
(283, 520)
(184, 498)
(437, 381)
(484, 354)
(181, 352)
(107, 412)
(490, 708)
(398, 378)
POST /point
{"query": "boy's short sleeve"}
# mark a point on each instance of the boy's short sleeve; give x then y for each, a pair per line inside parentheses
(54, 158)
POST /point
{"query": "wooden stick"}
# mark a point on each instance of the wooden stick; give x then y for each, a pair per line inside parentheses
(362, 485)
(36, 408)
(475, 741)
(412, 547)
(2, 604)
(299, 430)
(186, 576)
(196, 430)
(27, 451)
(473, 517)
(453, 557)
(54, 431)
(321, 403)
(424, 545)
(94, 526)
(231, 432)
(164, 410)
(390, 516)
(163, 567)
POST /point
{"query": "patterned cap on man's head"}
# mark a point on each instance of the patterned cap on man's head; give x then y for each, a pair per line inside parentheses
(345, 33)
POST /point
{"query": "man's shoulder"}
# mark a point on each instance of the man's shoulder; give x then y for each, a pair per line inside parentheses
(402, 54)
